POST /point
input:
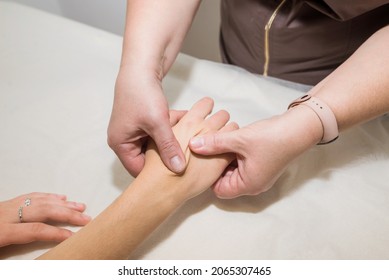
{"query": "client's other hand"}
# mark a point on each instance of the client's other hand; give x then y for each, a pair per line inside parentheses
(26, 218)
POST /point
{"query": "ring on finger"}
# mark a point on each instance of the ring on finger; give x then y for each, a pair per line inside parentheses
(27, 201)
(20, 213)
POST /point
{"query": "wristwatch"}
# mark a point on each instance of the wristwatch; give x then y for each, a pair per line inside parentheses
(325, 114)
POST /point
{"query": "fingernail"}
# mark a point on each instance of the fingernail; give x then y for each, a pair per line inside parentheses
(177, 164)
(79, 204)
(87, 217)
(197, 142)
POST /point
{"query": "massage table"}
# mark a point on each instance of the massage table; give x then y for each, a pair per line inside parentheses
(57, 81)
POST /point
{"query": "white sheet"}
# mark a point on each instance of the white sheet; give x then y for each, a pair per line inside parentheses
(56, 86)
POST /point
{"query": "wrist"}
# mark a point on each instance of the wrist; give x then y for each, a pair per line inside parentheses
(163, 188)
(301, 127)
(140, 64)
(133, 81)
(137, 74)
(325, 115)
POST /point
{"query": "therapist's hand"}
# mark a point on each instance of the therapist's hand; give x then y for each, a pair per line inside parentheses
(141, 110)
(263, 150)
(39, 210)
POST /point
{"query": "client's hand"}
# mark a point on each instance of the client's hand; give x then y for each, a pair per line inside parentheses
(24, 219)
(154, 194)
(201, 172)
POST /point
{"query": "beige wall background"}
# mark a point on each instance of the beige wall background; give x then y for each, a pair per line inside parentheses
(202, 40)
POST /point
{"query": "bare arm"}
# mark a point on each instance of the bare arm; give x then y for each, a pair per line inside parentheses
(152, 39)
(358, 90)
(155, 31)
(117, 231)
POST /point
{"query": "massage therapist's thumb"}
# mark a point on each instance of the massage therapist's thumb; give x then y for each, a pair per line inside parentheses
(169, 148)
(215, 144)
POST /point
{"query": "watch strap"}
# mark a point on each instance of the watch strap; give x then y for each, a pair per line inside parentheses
(325, 114)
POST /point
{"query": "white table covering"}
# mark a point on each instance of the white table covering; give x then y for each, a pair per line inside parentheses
(56, 90)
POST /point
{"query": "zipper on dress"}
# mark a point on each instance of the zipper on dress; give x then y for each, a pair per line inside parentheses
(267, 31)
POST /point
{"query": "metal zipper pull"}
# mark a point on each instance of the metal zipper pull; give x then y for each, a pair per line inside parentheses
(267, 31)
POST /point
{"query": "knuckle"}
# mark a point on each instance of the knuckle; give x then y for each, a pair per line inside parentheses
(216, 142)
(111, 142)
(167, 146)
(155, 116)
(243, 145)
(112, 139)
(47, 212)
(192, 124)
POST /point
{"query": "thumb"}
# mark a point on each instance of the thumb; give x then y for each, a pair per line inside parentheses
(215, 144)
(169, 148)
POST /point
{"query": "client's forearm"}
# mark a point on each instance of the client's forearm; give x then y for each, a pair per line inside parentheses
(119, 229)
(154, 194)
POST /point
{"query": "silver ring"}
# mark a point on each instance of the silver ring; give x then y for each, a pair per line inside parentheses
(27, 202)
(20, 212)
